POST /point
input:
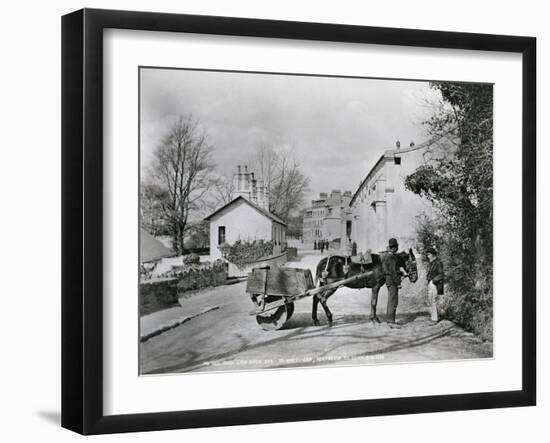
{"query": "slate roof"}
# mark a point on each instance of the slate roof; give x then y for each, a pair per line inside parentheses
(150, 248)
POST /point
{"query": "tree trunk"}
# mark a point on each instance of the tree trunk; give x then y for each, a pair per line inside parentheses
(181, 238)
(175, 243)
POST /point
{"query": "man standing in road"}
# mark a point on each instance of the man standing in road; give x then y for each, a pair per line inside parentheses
(393, 279)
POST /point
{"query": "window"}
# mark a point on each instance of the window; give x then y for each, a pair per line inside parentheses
(221, 235)
(397, 160)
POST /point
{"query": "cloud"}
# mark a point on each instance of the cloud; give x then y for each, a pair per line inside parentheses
(336, 127)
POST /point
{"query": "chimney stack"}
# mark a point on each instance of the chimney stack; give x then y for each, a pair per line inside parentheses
(254, 189)
(246, 185)
(239, 187)
(239, 183)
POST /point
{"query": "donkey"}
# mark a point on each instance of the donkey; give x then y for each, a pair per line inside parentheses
(336, 267)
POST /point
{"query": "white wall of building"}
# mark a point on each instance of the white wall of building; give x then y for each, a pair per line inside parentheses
(369, 212)
(242, 222)
(403, 206)
(332, 227)
(384, 208)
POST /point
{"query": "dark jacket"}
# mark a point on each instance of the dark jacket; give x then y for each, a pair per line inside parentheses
(436, 275)
(390, 265)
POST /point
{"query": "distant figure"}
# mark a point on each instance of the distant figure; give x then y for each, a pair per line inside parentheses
(349, 248)
(315, 244)
(322, 246)
(327, 244)
(435, 277)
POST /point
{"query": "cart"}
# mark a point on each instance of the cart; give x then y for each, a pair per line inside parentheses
(274, 291)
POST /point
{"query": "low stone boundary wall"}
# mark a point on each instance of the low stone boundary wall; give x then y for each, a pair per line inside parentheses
(201, 276)
(157, 294)
(163, 292)
(276, 260)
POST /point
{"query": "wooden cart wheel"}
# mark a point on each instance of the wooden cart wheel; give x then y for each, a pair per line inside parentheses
(273, 320)
(290, 308)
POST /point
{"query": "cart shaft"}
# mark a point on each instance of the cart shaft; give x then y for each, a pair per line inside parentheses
(290, 299)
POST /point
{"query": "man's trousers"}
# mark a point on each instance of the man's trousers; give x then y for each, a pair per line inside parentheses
(432, 301)
(393, 299)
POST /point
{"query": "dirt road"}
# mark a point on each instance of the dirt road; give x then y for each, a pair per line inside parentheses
(228, 338)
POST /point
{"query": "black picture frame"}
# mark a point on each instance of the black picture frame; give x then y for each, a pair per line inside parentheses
(82, 218)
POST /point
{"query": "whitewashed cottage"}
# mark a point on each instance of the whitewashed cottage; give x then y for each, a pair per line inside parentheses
(246, 217)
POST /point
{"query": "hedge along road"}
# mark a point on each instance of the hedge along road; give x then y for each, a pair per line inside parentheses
(229, 338)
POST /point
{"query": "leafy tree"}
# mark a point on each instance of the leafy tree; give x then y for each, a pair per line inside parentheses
(460, 185)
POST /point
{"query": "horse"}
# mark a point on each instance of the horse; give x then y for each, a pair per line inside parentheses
(337, 267)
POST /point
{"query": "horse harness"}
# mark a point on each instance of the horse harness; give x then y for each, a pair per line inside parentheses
(347, 259)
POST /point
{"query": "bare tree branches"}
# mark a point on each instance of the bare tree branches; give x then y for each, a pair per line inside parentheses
(281, 173)
(181, 170)
(222, 191)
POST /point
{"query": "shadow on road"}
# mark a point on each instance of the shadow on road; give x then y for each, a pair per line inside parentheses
(302, 320)
(244, 345)
(301, 329)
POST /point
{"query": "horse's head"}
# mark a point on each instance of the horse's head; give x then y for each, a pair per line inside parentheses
(408, 262)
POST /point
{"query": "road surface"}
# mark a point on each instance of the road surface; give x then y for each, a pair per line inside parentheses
(228, 338)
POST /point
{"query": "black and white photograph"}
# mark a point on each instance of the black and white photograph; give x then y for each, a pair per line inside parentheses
(305, 220)
(247, 222)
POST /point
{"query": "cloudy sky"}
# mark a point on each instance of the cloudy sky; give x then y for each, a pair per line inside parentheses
(336, 128)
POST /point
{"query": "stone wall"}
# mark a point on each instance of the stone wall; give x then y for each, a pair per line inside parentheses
(161, 293)
(236, 271)
(157, 294)
(202, 276)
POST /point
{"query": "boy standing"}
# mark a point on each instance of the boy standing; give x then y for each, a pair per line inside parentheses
(435, 279)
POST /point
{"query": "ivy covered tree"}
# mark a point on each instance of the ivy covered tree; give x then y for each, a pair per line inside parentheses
(460, 186)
